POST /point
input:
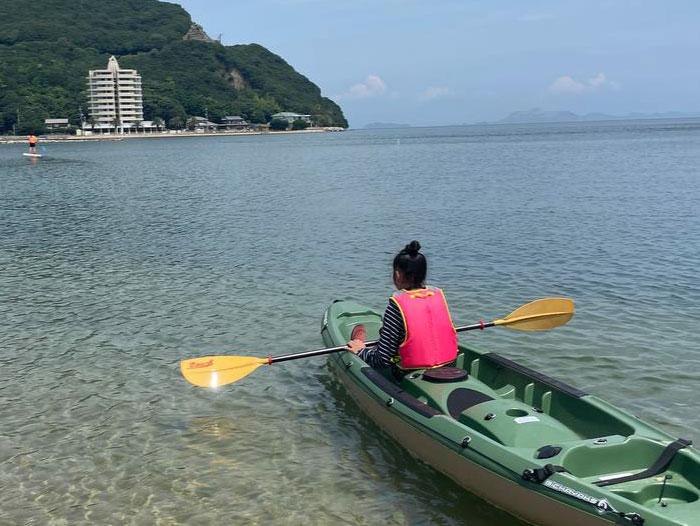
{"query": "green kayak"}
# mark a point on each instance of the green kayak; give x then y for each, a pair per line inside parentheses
(546, 452)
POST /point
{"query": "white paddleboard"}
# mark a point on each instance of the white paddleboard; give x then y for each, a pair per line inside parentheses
(32, 155)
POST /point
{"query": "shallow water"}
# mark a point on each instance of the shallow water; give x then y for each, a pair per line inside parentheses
(118, 259)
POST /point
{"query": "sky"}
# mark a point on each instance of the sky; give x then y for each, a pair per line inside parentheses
(441, 62)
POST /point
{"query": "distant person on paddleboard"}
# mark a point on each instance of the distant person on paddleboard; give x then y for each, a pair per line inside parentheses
(32, 144)
(417, 332)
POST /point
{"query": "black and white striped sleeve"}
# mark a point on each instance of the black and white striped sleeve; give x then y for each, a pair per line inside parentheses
(391, 336)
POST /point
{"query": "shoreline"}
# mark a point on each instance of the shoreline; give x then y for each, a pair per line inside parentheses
(121, 137)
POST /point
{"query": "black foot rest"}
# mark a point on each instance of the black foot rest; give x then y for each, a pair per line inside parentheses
(548, 452)
(445, 374)
(462, 398)
(657, 467)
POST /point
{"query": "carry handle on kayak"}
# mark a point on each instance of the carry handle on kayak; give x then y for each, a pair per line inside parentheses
(215, 371)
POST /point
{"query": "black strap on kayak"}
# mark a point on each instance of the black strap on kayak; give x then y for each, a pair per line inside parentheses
(659, 466)
(541, 476)
(395, 392)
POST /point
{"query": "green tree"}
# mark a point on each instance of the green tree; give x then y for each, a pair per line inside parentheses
(278, 124)
(30, 120)
(299, 125)
(322, 120)
(159, 123)
(176, 123)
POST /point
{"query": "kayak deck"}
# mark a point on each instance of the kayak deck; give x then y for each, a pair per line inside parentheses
(520, 420)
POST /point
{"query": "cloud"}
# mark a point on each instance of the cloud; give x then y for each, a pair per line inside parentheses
(434, 92)
(373, 86)
(567, 85)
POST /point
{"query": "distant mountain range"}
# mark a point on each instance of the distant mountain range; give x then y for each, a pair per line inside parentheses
(537, 115)
(384, 125)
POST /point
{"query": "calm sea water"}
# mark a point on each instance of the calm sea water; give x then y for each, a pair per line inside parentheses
(118, 259)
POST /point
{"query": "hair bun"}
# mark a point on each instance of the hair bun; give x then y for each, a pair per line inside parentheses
(412, 248)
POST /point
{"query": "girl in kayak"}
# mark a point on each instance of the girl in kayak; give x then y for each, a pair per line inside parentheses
(417, 332)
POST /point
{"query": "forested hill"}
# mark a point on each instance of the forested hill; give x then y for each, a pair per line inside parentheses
(47, 49)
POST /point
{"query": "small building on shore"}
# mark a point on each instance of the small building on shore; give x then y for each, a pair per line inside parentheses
(56, 124)
(202, 125)
(290, 117)
(234, 123)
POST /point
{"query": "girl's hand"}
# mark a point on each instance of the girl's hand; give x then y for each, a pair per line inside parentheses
(355, 346)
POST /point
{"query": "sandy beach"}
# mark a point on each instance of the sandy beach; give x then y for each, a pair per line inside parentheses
(14, 139)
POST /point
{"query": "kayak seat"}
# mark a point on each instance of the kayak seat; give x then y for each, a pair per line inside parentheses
(461, 399)
(445, 375)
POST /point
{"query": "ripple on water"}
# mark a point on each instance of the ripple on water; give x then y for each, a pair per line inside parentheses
(119, 259)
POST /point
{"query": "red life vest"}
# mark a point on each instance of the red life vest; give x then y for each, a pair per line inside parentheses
(431, 339)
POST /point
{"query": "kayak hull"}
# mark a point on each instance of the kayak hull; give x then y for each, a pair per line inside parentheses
(490, 461)
(497, 490)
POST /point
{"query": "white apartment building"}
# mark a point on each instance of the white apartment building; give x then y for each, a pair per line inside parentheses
(114, 96)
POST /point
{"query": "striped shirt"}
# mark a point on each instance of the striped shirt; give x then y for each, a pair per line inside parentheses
(391, 336)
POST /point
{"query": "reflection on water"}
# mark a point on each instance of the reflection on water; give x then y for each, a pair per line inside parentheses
(117, 260)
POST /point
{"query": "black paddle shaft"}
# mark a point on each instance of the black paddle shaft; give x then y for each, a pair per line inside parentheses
(330, 350)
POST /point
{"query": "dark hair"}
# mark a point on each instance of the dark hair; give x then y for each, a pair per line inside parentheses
(412, 264)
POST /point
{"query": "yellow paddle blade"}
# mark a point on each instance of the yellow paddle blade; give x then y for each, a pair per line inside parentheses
(214, 371)
(539, 315)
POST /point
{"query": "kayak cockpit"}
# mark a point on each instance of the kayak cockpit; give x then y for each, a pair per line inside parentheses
(542, 418)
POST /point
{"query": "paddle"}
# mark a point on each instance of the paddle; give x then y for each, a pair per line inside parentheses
(215, 371)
